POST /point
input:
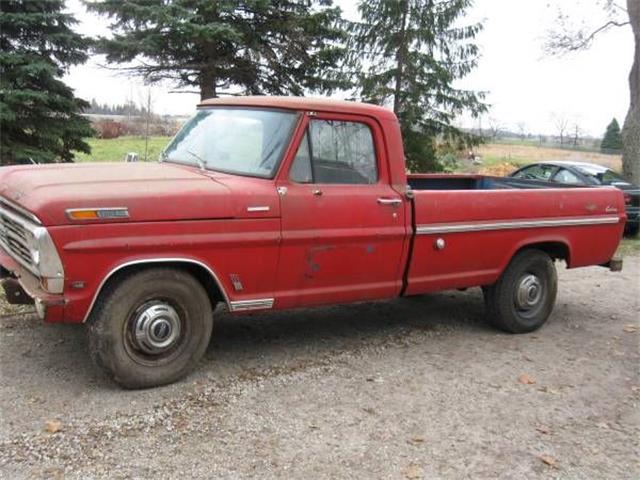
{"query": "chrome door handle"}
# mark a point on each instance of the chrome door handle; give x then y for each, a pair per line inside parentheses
(317, 192)
(389, 201)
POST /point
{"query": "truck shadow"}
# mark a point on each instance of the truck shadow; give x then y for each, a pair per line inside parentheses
(57, 355)
(346, 327)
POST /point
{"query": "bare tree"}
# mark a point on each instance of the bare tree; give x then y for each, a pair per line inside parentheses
(562, 126)
(495, 128)
(577, 133)
(522, 130)
(567, 38)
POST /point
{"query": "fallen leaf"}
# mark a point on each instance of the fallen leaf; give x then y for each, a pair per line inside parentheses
(413, 472)
(53, 426)
(549, 460)
(630, 328)
(526, 379)
(416, 440)
(543, 429)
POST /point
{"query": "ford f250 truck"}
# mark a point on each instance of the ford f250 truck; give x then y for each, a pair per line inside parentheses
(277, 203)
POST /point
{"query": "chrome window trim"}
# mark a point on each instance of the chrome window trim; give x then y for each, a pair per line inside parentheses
(516, 224)
(156, 260)
(257, 304)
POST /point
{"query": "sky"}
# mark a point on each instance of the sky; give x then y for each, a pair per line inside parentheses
(524, 87)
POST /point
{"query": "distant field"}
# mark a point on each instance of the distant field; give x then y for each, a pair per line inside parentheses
(497, 159)
(115, 149)
(502, 158)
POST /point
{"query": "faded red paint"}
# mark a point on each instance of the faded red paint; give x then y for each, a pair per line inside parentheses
(305, 250)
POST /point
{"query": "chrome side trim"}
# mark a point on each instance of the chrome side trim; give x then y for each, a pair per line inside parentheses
(156, 260)
(515, 224)
(261, 208)
(244, 305)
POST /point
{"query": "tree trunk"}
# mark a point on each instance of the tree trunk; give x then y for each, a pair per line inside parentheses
(207, 84)
(402, 47)
(631, 129)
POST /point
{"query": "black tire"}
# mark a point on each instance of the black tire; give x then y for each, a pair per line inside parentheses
(150, 328)
(523, 297)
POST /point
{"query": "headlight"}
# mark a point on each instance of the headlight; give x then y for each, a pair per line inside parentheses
(47, 262)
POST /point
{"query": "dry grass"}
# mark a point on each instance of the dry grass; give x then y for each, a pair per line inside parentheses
(520, 154)
(501, 159)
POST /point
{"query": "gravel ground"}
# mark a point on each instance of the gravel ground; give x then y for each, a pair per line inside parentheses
(413, 388)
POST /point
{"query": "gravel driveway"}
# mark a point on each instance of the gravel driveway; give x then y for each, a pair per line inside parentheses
(413, 388)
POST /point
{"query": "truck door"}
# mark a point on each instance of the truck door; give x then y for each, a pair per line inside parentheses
(343, 226)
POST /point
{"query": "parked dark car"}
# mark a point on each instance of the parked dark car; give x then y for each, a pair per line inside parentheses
(587, 174)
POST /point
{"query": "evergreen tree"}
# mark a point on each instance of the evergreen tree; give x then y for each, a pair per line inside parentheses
(612, 141)
(39, 114)
(257, 46)
(408, 54)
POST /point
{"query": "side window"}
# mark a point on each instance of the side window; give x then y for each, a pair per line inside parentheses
(340, 152)
(565, 176)
(536, 172)
(301, 169)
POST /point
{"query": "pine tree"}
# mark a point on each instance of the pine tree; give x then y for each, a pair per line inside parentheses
(408, 54)
(39, 114)
(251, 46)
(612, 141)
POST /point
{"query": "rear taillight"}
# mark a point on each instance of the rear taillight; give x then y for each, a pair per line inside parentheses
(627, 199)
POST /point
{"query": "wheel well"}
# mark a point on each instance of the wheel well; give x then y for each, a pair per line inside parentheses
(556, 250)
(205, 276)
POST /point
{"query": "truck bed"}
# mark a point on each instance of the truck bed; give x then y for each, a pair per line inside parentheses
(468, 227)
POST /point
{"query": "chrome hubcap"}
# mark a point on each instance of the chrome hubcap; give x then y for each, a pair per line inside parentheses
(529, 292)
(156, 328)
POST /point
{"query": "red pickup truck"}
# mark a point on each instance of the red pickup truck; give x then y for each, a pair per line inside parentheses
(274, 203)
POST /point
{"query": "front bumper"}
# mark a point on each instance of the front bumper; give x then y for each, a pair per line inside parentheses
(22, 287)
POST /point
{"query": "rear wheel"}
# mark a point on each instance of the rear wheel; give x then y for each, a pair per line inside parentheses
(523, 297)
(150, 328)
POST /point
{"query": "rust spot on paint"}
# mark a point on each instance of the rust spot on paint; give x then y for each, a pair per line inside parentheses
(311, 260)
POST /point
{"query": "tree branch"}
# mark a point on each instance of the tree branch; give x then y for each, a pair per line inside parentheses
(559, 44)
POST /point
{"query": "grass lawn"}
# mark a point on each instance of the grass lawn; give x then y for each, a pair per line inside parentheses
(115, 149)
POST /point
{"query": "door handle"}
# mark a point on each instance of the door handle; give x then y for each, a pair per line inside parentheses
(389, 201)
(317, 192)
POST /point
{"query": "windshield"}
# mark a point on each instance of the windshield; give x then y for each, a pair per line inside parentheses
(233, 140)
(602, 176)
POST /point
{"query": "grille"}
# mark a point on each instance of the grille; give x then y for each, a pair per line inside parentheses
(14, 237)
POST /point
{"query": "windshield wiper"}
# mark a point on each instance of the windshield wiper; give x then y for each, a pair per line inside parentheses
(200, 160)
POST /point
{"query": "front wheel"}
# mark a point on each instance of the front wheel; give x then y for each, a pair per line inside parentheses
(523, 297)
(150, 328)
